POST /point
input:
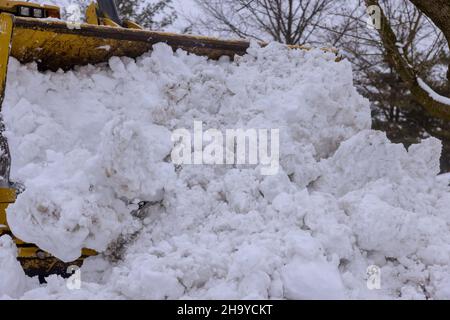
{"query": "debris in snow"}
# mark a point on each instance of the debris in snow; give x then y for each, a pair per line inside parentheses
(105, 47)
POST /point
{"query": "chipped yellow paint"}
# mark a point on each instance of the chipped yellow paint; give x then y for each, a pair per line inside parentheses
(27, 251)
(11, 7)
(91, 14)
(6, 28)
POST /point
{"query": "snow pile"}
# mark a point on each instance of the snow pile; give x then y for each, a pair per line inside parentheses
(13, 282)
(90, 144)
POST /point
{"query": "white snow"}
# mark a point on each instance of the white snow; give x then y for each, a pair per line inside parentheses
(433, 94)
(91, 143)
(13, 282)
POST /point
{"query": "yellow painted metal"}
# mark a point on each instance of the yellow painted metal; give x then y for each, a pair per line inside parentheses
(11, 4)
(11, 7)
(53, 45)
(6, 29)
(19, 242)
(92, 17)
(34, 260)
(7, 195)
(56, 45)
(30, 251)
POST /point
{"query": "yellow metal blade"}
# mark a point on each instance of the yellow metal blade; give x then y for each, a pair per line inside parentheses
(56, 44)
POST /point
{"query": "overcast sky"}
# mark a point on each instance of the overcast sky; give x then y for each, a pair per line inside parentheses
(184, 8)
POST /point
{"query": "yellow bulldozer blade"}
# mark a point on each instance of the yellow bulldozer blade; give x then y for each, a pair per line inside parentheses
(34, 261)
(6, 27)
(55, 44)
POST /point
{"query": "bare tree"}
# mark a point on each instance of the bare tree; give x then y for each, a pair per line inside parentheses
(154, 15)
(398, 56)
(419, 42)
(286, 21)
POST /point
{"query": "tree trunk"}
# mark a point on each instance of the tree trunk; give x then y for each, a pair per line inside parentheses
(404, 69)
(439, 12)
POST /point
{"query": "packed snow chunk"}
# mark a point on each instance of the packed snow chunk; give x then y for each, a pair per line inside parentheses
(13, 281)
(387, 192)
(369, 156)
(312, 280)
